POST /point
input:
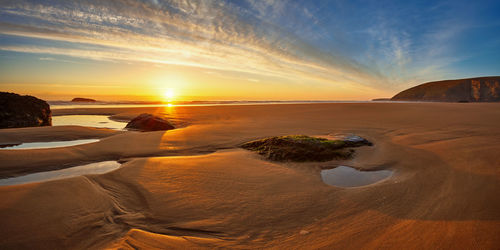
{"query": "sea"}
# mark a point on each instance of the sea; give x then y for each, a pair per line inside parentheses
(125, 104)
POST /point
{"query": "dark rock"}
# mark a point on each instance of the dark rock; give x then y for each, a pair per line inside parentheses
(480, 89)
(303, 148)
(18, 111)
(9, 145)
(148, 122)
(79, 99)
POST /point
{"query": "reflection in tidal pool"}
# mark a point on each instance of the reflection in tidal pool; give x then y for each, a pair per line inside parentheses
(92, 168)
(97, 121)
(49, 144)
(343, 176)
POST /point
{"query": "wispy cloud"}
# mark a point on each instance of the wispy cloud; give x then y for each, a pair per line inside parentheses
(203, 34)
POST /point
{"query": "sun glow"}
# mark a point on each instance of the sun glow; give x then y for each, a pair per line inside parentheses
(169, 95)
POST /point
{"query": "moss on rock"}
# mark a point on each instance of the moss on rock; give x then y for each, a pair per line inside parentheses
(302, 148)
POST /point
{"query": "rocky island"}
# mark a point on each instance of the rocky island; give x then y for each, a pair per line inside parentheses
(80, 99)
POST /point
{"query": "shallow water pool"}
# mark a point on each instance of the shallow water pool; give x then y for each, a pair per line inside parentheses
(92, 168)
(50, 144)
(97, 121)
(343, 176)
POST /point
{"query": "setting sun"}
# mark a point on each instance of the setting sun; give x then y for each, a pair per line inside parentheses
(169, 94)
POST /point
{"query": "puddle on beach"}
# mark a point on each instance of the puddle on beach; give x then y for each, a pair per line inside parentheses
(92, 168)
(50, 144)
(343, 176)
(97, 121)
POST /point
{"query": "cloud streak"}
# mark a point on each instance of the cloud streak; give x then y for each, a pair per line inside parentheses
(203, 34)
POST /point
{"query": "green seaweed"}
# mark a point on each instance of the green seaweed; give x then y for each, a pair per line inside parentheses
(302, 148)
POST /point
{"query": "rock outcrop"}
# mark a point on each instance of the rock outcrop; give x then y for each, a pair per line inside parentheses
(18, 111)
(149, 122)
(302, 148)
(481, 89)
(79, 99)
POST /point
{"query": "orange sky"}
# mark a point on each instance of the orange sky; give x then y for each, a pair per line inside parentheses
(149, 82)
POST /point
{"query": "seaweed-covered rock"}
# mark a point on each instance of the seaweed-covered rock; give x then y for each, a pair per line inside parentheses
(18, 111)
(149, 122)
(302, 148)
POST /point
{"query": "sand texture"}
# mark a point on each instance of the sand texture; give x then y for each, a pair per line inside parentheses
(193, 187)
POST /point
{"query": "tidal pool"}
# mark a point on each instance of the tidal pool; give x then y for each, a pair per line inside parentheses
(92, 168)
(49, 144)
(97, 121)
(343, 176)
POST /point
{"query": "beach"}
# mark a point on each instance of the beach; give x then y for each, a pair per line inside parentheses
(194, 187)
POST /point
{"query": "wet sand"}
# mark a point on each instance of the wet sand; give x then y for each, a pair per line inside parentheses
(193, 188)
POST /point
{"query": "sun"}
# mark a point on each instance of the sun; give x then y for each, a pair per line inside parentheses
(169, 94)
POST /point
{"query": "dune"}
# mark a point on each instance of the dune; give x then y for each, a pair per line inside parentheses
(193, 187)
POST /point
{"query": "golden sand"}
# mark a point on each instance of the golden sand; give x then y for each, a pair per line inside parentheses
(193, 187)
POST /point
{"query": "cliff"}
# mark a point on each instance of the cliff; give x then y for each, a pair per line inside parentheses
(480, 89)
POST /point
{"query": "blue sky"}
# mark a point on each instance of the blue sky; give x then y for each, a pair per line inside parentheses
(372, 48)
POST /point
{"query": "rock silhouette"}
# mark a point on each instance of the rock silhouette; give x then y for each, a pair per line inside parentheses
(80, 99)
(149, 122)
(18, 111)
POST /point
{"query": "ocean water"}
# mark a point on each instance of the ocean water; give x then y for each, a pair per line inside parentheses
(73, 105)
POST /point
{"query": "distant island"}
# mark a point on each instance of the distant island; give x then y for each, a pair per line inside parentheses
(381, 99)
(479, 89)
(79, 99)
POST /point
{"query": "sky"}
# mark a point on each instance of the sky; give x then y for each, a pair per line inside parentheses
(242, 49)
